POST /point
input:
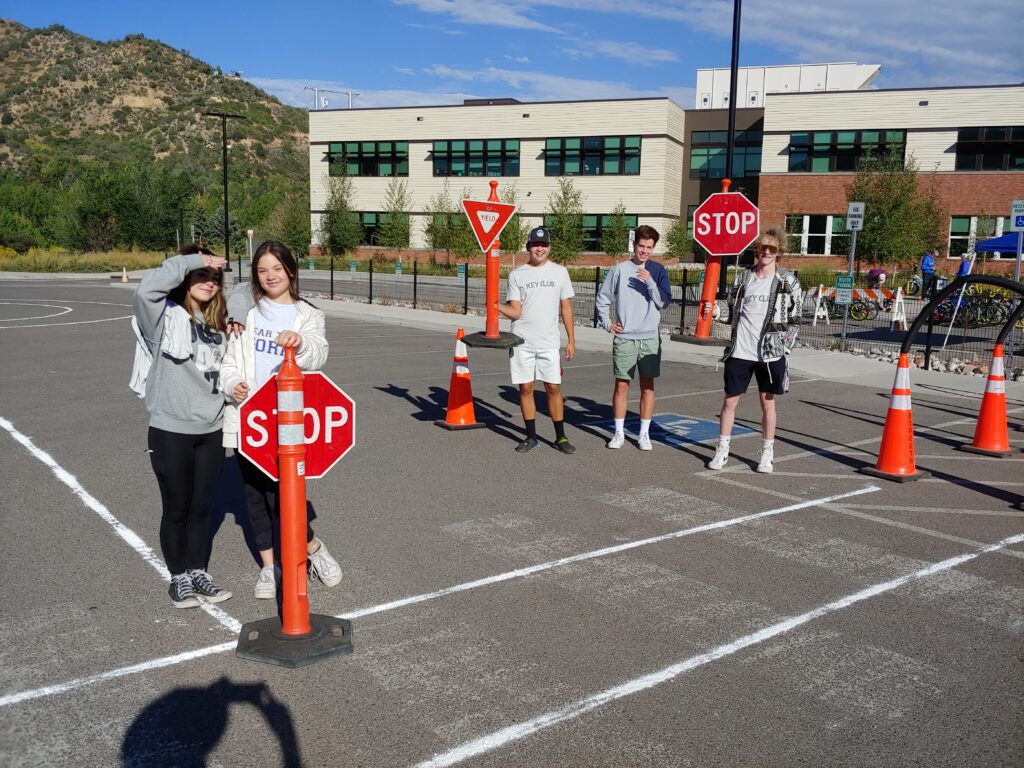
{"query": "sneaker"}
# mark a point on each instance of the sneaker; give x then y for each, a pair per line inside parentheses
(266, 584)
(721, 458)
(324, 567)
(617, 441)
(204, 587)
(767, 462)
(563, 445)
(181, 592)
(527, 445)
(644, 443)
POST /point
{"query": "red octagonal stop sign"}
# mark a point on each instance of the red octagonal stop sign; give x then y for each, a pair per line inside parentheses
(329, 421)
(726, 223)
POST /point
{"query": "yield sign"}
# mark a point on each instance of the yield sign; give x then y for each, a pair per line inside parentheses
(487, 219)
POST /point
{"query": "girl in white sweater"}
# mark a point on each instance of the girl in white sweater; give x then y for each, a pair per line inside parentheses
(279, 319)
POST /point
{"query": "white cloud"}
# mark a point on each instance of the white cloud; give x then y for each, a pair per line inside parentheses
(518, 59)
(634, 53)
(405, 70)
(918, 42)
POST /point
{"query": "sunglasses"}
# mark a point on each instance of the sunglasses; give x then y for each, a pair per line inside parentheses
(768, 248)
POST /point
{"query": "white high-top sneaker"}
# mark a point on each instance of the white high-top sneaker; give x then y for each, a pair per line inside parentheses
(721, 457)
(767, 462)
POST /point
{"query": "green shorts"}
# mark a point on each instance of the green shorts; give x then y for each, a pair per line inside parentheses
(631, 356)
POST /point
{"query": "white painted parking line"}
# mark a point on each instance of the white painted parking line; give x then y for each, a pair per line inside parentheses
(519, 731)
(124, 532)
(844, 510)
(39, 303)
(938, 510)
(64, 311)
(413, 600)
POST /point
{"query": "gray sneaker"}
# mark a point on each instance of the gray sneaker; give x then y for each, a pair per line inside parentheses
(324, 567)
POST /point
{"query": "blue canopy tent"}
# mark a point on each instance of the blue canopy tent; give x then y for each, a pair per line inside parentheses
(1003, 244)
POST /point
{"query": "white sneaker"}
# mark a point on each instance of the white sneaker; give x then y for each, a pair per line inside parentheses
(644, 443)
(266, 584)
(721, 458)
(617, 441)
(324, 567)
(767, 462)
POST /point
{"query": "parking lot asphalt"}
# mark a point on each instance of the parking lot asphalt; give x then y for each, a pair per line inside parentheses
(610, 608)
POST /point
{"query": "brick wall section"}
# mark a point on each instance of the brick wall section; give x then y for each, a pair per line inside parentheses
(960, 194)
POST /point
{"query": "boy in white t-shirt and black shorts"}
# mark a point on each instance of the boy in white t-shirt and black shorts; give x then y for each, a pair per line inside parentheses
(538, 292)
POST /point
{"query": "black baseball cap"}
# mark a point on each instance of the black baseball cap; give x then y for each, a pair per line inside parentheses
(538, 235)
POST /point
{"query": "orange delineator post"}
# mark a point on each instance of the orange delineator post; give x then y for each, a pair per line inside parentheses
(991, 435)
(492, 277)
(460, 413)
(712, 272)
(291, 455)
(896, 453)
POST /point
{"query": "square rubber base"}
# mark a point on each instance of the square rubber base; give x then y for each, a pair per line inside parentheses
(264, 641)
(504, 340)
(457, 427)
(969, 447)
(702, 342)
(918, 475)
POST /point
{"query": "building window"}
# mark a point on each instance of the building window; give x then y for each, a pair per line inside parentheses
(829, 151)
(476, 157)
(371, 222)
(592, 156)
(817, 234)
(368, 158)
(966, 231)
(990, 149)
(707, 154)
(593, 228)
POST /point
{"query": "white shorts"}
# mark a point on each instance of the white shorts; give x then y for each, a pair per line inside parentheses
(528, 365)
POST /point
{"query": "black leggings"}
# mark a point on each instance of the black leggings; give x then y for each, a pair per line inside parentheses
(185, 467)
(261, 498)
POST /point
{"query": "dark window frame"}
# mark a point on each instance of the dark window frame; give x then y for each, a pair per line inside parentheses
(990, 148)
(839, 151)
(593, 156)
(712, 145)
(368, 159)
(476, 157)
(593, 226)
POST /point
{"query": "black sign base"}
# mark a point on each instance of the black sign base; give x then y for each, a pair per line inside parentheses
(702, 342)
(505, 340)
(265, 642)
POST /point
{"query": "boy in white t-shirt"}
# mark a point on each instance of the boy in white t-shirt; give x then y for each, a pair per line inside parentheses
(538, 292)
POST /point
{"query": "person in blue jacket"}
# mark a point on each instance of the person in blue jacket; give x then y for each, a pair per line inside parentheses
(641, 290)
(965, 265)
(928, 272)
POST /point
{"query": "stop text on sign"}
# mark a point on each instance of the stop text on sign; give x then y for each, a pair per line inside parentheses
(334, 417)
(731, 223)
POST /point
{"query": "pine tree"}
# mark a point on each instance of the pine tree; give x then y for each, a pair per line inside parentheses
(615, 232)
(394, 227)
(340, 231)
(565, 222)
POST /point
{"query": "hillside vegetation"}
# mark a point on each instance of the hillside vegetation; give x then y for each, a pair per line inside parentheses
(104, 145)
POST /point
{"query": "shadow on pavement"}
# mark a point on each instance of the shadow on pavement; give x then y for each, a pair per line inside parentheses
(182, 728)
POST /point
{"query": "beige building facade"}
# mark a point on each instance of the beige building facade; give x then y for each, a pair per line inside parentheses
(626, 150)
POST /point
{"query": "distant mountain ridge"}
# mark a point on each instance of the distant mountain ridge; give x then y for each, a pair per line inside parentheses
(140, 99)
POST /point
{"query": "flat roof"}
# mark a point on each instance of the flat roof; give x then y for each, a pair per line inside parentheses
(483, 102)
(897, 90)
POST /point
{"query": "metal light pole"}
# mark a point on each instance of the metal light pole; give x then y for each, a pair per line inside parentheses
(224, 157)
(730, 145)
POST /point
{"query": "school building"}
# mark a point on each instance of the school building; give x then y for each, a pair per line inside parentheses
(794, 155)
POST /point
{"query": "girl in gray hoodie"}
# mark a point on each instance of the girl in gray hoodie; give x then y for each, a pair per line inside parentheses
(180, 322)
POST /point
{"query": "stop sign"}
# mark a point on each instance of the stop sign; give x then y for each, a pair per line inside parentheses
(329, 424)
(726, 223)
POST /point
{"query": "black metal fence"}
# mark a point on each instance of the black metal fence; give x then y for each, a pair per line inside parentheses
(961, 334)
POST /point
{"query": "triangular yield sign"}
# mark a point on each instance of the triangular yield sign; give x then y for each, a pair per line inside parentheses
(487, 219)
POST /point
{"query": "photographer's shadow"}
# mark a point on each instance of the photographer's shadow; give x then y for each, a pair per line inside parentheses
(181, 729)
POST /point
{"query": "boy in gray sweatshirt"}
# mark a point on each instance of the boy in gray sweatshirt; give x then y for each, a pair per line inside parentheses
(640, 289)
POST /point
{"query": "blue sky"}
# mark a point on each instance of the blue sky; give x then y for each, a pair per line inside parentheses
(415, 52)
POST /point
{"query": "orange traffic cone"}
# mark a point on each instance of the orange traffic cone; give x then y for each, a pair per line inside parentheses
(460, 392)
(896, 453)
(991, 436)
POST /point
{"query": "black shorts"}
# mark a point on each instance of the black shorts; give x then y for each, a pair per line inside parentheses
(772, 377)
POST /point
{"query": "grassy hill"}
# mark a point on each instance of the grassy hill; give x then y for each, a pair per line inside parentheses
(73, 108)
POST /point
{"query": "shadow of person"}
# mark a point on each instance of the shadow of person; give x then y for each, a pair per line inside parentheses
(227, 496)
(180, 730)
(430, 408)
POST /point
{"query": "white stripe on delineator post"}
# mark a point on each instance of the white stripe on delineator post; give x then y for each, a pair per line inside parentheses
(289, 401)
(413, 600)
(519, 731)
(127, 534)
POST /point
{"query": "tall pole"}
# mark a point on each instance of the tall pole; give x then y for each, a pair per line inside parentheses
(730, 139)
(224, 162)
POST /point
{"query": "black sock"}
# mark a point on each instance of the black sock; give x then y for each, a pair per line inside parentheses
(559, 430)
(531, 429)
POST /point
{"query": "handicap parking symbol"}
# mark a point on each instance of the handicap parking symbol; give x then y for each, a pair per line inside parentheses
(675, 429)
